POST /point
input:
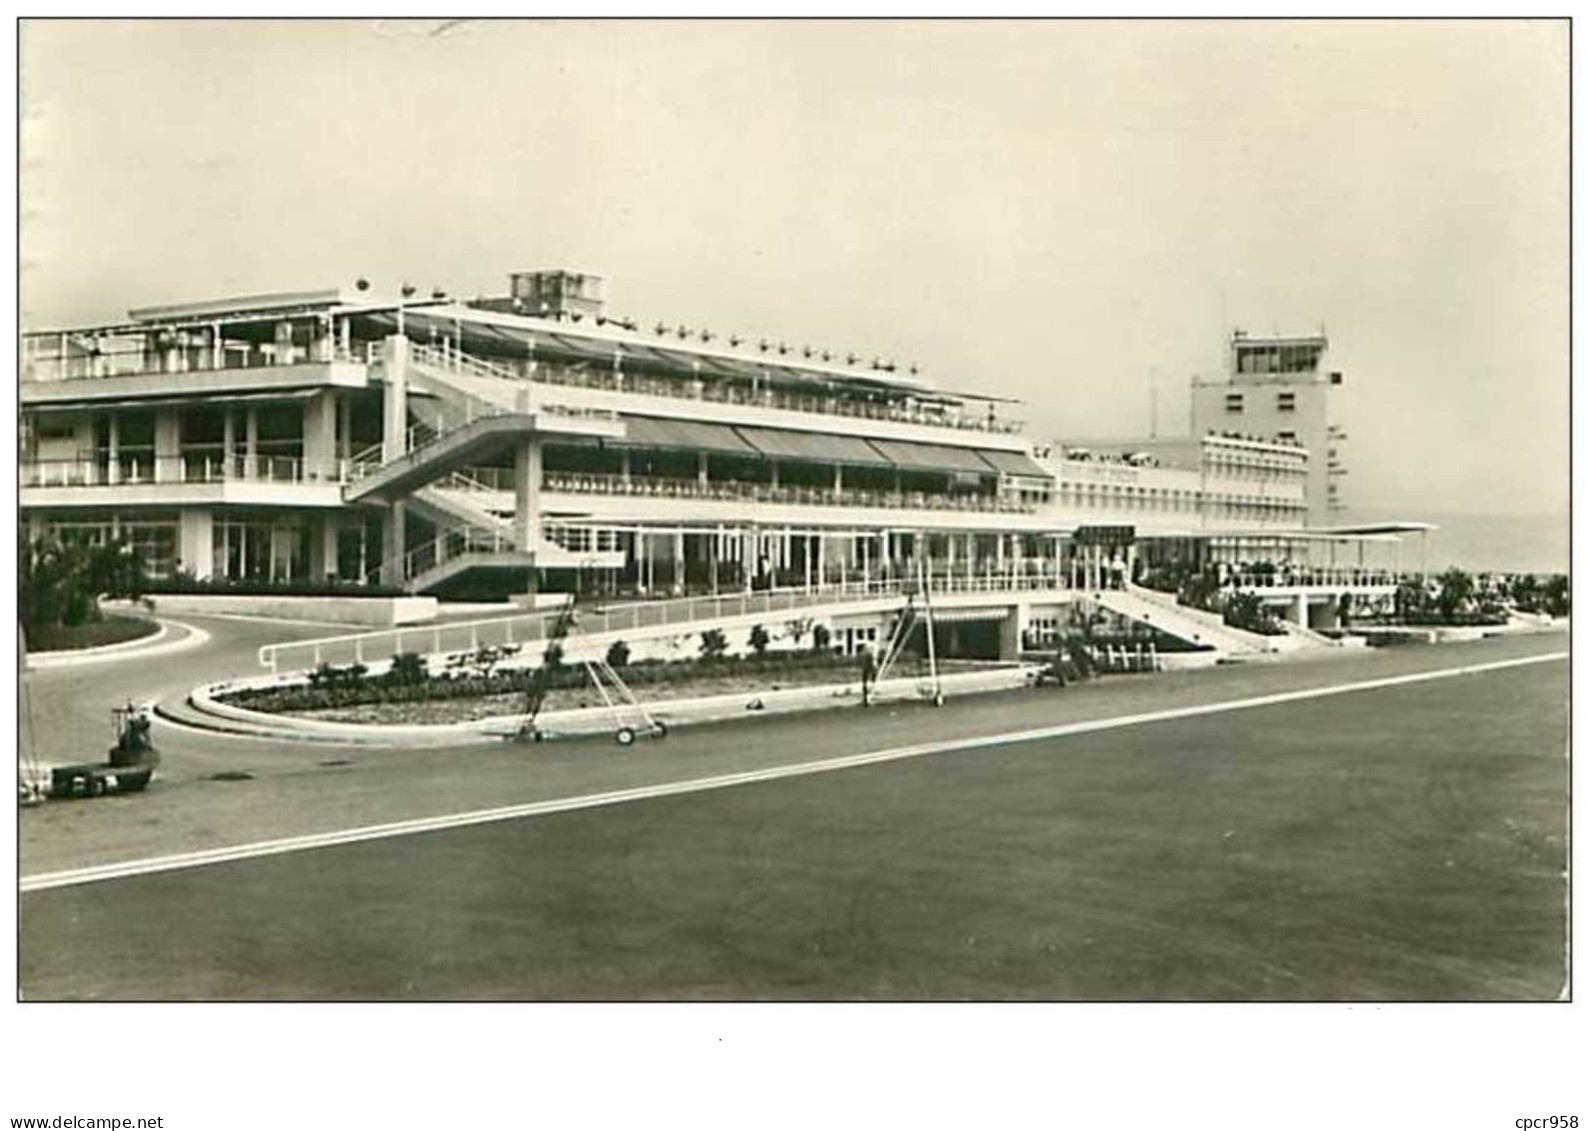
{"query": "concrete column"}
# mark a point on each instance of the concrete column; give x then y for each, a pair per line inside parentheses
(322, 546)
(217, 352)
(320, 435)
(251, 445)
(284, 347)
(344, 417)
(678, 561)
(1301, 611)
(700, 468)
(113, 463)
(168, 445)
(228, 442)
(394, 544)
(838, 478)
(196, 541)
(1010, 634)
(623, 471)
(394, 418)
(527, 494)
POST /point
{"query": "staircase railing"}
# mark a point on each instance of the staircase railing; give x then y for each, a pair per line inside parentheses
(444, 547)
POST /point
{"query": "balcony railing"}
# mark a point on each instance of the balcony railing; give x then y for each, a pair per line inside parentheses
(719, 393)
(39, 365)
(1317, 578)
(766, 493)
(187, 468)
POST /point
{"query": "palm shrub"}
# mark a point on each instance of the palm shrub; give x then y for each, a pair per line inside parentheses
(759, 640)
(713, 645)
(617, 654)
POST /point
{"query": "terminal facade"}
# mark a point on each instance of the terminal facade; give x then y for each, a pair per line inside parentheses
(531, 441)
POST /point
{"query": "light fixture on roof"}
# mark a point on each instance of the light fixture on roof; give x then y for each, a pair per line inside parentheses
(361, 284)
(706, 335)
(734, 339)
(913, 370)
(661, 329)
(763, 345)
(783, 347)
(684, 331)
(437, 293)
(826, 356)
(850, 359)
(408, 290)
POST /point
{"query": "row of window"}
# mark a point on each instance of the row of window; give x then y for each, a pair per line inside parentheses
(1235, 403)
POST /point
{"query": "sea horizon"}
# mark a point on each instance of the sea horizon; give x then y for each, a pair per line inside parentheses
(1478, 541)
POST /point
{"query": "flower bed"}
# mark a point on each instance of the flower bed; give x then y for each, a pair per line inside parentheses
(473, 689)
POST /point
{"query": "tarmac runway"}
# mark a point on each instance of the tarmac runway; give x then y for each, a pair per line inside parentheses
(320, 923)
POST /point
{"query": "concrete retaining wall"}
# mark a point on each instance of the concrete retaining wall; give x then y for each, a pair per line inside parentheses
(379, 612)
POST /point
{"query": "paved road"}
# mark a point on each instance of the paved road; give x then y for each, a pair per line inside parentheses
(303, 788)
(1402, 842)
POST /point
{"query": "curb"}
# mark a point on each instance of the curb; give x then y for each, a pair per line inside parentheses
(142, 648)
(578, 721)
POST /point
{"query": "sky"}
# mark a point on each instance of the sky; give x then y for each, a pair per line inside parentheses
(1071, 213)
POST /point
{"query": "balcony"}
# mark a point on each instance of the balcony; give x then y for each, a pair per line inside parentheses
(733, 491)
(41, 365)
(145, 470)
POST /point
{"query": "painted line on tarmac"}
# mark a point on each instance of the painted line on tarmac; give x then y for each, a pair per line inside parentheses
(47, 880)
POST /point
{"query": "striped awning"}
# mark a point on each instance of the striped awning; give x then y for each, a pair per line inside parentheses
(931, 457)
(1015, 463)
(779, 443)
(688, 435)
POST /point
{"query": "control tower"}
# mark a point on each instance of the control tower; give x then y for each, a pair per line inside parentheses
(1279, 389)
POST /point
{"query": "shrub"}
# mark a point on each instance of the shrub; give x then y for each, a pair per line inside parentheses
(713, 644)
(1246, 611)
(60, 583)
(820, 636)
(407, 668)
(759, 640)
(1556, 599)
(617, 654)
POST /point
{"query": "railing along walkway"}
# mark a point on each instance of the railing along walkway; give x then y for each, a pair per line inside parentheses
(648, 618)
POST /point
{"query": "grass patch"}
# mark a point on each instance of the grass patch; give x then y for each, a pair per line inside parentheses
(111, 629)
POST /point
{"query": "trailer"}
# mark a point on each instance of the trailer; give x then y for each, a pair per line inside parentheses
(130, 767)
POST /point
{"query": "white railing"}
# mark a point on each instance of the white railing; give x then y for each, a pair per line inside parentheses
(451, 543)
(1317, 578)
(187, 468)
(604, 484)
(42, 360)
(648, 617)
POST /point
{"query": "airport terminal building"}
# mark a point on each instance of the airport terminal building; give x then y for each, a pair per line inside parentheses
(533, 442)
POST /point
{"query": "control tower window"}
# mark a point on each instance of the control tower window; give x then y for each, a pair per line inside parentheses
(1233, 402)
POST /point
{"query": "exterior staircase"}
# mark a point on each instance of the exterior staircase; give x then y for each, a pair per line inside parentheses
(1163, 612)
